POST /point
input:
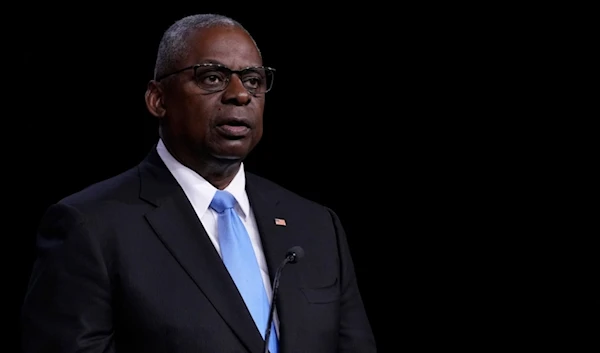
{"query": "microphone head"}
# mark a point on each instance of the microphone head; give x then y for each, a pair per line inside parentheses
(295, 253)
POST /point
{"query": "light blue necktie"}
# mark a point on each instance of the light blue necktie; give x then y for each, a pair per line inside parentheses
(240, 260)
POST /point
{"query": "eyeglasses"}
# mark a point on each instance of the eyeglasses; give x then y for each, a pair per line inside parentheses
(214, 77)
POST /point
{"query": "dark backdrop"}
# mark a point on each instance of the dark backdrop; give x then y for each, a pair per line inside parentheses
(407, 122)
(81, 78)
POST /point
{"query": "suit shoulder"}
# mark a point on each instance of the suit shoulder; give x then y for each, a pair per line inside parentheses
(119, 187)
(284, 193)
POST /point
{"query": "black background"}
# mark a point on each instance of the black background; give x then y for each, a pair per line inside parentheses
(406, 121)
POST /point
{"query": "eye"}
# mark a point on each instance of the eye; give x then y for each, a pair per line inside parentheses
(252, 82)
(253, 79)
(210, 78)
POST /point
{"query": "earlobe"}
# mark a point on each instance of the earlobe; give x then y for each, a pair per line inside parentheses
(154, 99)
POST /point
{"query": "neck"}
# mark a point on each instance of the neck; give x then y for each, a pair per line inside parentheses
(219, 173)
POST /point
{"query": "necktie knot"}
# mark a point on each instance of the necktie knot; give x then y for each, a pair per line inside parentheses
(222, 201)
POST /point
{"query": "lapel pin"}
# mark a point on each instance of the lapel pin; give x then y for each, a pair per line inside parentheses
(280, 222)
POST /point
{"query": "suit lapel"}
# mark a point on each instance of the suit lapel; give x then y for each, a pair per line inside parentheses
(276, 239)
(178, 227)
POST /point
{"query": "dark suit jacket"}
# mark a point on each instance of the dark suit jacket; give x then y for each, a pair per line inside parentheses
(126, 266)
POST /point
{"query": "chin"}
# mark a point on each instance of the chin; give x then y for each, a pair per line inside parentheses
(232, 152)
(229, 158)
(229, 155)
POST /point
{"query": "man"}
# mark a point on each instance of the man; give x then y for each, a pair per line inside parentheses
(140, 262)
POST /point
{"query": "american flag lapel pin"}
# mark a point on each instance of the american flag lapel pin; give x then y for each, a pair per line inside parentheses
(280, 222)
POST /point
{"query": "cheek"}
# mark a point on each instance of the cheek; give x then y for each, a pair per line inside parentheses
(199, 114)
(258, 132)
(189, 123)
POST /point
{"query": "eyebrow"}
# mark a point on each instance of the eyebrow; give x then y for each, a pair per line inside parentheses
(217, 62)
(210, 61)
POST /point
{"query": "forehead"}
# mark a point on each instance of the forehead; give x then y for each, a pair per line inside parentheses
(229, 46)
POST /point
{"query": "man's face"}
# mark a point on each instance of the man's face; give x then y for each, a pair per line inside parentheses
(226, 124)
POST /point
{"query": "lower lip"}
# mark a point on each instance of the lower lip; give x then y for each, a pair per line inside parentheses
(234, 131)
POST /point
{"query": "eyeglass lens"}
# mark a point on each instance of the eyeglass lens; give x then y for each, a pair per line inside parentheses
(216, 78)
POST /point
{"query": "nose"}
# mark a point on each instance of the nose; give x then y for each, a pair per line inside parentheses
(235, 92)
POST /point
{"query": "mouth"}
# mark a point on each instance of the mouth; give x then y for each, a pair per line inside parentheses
(234, 128)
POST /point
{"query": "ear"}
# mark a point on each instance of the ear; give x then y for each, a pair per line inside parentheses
(155, 99)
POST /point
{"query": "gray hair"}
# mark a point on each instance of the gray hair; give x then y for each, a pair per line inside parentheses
(174, 45)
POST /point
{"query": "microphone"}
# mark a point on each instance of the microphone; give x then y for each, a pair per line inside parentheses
(292, 256)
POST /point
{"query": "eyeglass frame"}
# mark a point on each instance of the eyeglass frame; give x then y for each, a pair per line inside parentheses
(237, 72)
